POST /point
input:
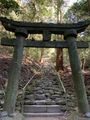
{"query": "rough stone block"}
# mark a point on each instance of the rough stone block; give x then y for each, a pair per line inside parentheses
(39, 97)
(53, 108)
(40, 102)
(34, 109)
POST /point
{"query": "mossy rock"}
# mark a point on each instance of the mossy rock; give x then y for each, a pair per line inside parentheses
(28, 102)
(61, 102)
(71, 104)
(77, 116)
(63, 108)
(51, 93)
(16, 116)
(19, 98)
(29, 88)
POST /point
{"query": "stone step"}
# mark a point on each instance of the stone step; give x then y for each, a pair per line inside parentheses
(57, 101)
(42, 114)
(41, 109)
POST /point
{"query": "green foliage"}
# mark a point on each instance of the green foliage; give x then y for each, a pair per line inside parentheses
(36, 10)
(77, 12)
(87, 64)
(33, 53)
(7, 6)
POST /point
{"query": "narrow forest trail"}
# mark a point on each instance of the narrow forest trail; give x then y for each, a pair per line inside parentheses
(45, 96)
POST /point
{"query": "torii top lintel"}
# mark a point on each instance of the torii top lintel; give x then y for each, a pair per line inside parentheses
(38, 28)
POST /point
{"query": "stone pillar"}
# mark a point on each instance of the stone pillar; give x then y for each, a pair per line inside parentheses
(78, 79)
(11, 91)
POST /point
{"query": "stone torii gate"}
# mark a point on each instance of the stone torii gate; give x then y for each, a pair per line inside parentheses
(21, 30)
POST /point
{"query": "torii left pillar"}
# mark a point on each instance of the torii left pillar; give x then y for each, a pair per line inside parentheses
(11, 92)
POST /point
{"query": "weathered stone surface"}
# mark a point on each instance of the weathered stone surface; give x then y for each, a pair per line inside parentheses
(54, 96)
(44, 94)
(13, 79)
(53, 109)
(38, 88)
(47, 95)
(40, 102)
(4, 113)
(34, 108)
(77, 75)
(47, 91)
(28, 102)
(37, 28)
(58, 99)
(39, 97)
(77, 116)
(61, 102)
(58, 93)
(87, 114)
(40, 92)
(29, 96)
(63, 108)
(16, 116)
(53, 102)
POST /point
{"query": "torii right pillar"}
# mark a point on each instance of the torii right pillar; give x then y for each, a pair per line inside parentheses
(78, 80)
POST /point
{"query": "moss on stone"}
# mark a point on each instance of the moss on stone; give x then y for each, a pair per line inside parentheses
(16, 116)
(77, 116)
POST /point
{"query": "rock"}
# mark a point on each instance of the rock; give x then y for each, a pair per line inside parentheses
(54, 96)
(48, 103)
(19, 98)
(38, 88)
(40, 92)
(55, 89)
(61, 102)
(29, 97)
(39, 97)
(40, 102)
(77, 116)
(20, 93)
(58, 99)
(47, 91)
(87, 114)
(1, 103)
(52, 92)
(58, 93)
(28, 102)
(63, 108)
(16, 116)
(53, 102)
(4, 113)
(47, 95)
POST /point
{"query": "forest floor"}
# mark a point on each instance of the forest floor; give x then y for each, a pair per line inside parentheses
(30, 67)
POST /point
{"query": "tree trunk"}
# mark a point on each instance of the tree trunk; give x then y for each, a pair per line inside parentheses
(59, 57)
(88, 1)
(41, 60)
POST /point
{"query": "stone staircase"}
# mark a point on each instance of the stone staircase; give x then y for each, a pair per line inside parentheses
(44, 97)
